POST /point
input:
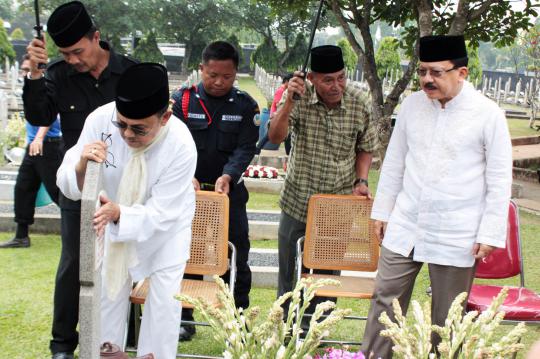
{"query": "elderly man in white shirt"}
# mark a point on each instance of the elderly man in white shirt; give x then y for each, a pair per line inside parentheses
(148, 207)
(444, 190)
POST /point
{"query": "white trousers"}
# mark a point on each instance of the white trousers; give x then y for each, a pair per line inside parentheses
(161, 315)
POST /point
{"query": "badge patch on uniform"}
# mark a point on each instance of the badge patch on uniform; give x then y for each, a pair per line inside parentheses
(257, 119)
(199, 116)
(231, 118)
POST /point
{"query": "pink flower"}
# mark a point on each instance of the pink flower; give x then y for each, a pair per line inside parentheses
(332, 353)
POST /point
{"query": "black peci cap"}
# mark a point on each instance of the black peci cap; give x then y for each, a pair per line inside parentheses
(435, 48)
(142, 90)
(69, 23)
(326, 59)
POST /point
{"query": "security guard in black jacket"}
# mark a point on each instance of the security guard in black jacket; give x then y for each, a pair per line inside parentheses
(224, 124)
(73, 87)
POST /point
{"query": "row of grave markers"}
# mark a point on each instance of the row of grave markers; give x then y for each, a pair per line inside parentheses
(498, 90)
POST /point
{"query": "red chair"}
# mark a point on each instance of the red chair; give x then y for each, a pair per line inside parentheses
(521, 304)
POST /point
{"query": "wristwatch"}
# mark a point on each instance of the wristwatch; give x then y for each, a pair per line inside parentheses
(359, 181)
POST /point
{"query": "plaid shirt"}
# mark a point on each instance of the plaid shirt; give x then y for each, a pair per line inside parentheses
(324, 146)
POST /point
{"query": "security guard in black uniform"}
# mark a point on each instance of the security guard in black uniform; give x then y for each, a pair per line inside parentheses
(224, 123)
(73, 87)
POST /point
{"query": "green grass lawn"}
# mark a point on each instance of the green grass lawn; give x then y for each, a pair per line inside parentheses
(248, 84)
(263, 201)
(520, 128)
(270, 201)
(28, 282)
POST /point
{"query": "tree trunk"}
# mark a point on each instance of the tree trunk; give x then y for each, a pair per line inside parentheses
(381, 109)
(187, 57)
(284, 56)
(425, 24)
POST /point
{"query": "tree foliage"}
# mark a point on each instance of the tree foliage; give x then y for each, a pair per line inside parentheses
(6, 49)
(296, 56)
(475, 67)
(17, 34)
(284, 32)
(477, 20)
(52, 49)
(6, 10)
(113, 18)
(266, 55)
(387, 56)
(233, 40)
(349, 56)
(193, 23)
(147, 50)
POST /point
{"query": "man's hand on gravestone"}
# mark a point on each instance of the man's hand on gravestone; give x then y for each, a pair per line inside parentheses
(108, 212)
(95, 151)
(223, 184)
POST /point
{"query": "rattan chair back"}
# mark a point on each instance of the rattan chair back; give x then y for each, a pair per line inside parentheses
(210, 234)
(339, 234)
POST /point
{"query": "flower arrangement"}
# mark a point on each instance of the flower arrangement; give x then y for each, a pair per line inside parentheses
(468, 336)
(256, 171)
(245, 337)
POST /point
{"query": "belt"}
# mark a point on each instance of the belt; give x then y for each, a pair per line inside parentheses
(52, 139)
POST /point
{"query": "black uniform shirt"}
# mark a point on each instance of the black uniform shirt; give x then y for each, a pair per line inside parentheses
(72, 94)
(225, 141)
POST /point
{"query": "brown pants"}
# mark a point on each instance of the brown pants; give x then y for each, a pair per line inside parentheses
(395, 279)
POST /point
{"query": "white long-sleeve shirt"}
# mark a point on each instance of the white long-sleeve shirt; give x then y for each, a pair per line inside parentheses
(446, 178)
(161, 226)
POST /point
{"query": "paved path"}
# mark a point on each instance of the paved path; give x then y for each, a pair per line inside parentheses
(526, 151)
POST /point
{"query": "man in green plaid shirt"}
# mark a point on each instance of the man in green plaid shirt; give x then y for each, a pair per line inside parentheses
(333, 138)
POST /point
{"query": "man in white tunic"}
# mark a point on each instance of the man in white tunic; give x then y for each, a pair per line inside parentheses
(148, 207)
(444, 190)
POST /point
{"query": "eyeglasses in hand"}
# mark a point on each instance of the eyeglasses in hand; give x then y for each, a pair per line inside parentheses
(108, 141)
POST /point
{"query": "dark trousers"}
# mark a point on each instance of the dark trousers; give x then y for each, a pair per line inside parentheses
(289, 231)
(33, 171)
(66, 291)
(239, 236)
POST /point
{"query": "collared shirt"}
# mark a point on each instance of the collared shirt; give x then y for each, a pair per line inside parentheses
(324, 147)
(446, 178)
(226, 141)
(72, 94)
(161, 225)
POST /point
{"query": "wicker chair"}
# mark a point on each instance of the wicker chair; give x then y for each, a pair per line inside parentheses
(339, 236)
(208, 256)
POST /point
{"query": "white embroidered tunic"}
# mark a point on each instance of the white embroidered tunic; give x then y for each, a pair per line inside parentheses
(161, 226)
(446, 179)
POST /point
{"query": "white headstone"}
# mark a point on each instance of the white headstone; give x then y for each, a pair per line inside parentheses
(91, 257)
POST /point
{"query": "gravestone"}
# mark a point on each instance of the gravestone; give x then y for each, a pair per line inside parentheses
(91, 252)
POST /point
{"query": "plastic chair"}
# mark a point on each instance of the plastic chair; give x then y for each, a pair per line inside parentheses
(339, 236)
(208, 256)
(521, 304)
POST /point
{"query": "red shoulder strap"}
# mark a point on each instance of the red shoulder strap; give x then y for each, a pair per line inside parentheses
(185, 102)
